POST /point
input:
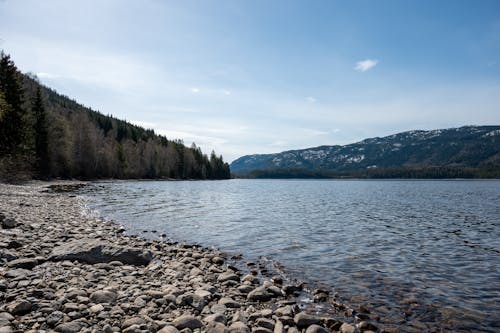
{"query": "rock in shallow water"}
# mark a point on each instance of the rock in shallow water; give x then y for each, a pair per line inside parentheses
(93, 251)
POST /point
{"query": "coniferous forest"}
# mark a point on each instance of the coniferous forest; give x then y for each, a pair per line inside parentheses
(45, 135)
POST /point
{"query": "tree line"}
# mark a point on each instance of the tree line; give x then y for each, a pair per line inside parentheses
(428, 172)
(45, 135)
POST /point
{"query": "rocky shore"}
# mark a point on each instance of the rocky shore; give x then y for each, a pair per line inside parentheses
(63, 270)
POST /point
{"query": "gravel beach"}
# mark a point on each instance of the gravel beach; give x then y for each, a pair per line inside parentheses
(64, 270)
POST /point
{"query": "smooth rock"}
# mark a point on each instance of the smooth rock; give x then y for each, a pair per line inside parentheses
(303, 320)
(316, 329)
(71, 327)
(215, 327)
(259, 294)
(228, 302)
(347, 328)
(239, 327)
(6, 329)
(265, 322)
(187, 321)
(94, 251)
(228, 276)
(19, 307)
(133, 321)
(168, 329)
(28, 263)
(216, 317)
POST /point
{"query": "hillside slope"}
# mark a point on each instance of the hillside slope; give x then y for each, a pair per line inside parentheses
(476, 147)
(83, 143)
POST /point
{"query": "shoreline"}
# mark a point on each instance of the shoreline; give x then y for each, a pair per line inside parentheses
(63, 269)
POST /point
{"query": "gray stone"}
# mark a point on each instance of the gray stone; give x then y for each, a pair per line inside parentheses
(303, 320)
(19, 307)
(216, 317)
(94, 251)
(187, 321)
(6, 329)
(103, 296)
(54, 318)
(316, 329)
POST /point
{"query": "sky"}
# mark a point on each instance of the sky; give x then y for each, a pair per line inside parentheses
(245, 77)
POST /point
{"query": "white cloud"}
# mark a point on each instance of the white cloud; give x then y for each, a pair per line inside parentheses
(226, 92)
(43, 75)
(365, 65)
(195, 90)
(311, 99)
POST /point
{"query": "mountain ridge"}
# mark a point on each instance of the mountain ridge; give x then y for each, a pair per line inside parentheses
(470, 146)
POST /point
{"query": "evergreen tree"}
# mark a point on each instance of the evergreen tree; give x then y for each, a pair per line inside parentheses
(12, 123)
(41, 136)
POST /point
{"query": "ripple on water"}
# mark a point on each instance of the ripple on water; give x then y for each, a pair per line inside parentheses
(422, 254)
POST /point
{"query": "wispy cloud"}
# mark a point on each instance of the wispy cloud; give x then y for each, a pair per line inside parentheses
(311, 99)
(365, 65)
(195, 90)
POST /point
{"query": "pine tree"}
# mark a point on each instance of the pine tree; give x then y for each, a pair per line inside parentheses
(41, 136)
(12, 124)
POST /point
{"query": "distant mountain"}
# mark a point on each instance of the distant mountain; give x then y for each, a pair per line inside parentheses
(470, 151)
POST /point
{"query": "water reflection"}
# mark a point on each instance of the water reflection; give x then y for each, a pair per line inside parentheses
(425, 254)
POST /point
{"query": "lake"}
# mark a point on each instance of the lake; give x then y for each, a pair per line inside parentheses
(424, 255)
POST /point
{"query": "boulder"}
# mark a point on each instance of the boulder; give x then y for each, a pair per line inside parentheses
(27, 263)
(316, 329)
(94, 251)
(19, 307)
(259, 294)
(7, 222)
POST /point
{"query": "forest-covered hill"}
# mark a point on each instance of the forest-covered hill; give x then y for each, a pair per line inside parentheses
(44, 134)
(470, 151)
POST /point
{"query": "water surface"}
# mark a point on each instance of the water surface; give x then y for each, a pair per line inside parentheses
(425, 255)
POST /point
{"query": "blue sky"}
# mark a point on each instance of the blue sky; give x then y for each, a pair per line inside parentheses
(245, 77)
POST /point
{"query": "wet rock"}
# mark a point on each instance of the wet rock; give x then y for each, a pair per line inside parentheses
(316, 329)
(187, 321)
(93, 251)
(366, 326)
(347, 328)
(19, 307)
(303, 320)
(103, 296)
(228, 276)
(259, 294)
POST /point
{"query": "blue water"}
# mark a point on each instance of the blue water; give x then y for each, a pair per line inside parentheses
(425, 255)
